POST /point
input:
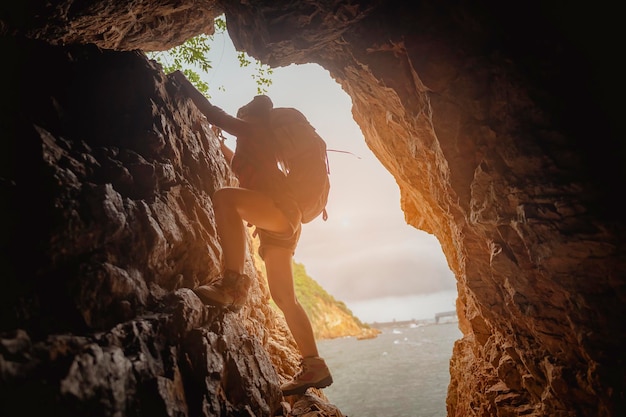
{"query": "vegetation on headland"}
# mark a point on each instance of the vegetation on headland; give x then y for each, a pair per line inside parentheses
(330, 318)
(313, 298)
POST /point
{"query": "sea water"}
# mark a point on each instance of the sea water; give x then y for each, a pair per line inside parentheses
(403, 372)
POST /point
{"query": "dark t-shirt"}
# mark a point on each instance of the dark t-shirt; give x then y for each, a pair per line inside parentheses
(254, 162)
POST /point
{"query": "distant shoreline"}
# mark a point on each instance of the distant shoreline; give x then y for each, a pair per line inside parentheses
(440, 318)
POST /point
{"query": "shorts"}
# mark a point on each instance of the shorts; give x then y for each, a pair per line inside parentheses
(287, 240)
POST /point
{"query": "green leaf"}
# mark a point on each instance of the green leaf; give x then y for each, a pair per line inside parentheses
(191, 58)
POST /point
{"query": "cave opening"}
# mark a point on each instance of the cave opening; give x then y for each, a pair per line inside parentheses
(366, 255)
(365, 225)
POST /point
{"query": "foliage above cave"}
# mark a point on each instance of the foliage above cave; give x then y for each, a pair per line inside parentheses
(191, 57)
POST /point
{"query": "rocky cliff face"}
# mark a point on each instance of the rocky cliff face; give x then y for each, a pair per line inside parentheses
(497, 121)
(107, 222)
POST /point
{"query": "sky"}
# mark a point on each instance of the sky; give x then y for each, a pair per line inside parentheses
(364, 254)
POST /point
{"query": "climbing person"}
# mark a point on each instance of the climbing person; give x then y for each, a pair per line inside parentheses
(266, 200)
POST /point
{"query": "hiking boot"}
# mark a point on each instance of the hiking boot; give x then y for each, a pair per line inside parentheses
(314, 374)
(230, 292)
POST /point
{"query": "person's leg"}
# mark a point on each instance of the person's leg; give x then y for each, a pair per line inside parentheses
(278, 263)
(314, 372)
(232, 207)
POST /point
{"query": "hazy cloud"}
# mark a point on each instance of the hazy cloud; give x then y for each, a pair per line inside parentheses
(417, 307)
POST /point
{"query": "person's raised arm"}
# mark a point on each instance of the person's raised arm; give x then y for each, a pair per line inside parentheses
(214, 114)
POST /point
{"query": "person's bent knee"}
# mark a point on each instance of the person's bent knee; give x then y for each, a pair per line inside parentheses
(224, 197)
(224, 193)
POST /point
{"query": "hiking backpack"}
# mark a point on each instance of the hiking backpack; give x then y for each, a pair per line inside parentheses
(301, 155)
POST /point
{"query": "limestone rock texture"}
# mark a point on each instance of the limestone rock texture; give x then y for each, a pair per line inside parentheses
(499, 121)
(107, 224)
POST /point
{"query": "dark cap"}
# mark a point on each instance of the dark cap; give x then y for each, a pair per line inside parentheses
(259, 106)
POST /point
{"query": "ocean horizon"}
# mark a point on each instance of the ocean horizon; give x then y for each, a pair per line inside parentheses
(406, 308)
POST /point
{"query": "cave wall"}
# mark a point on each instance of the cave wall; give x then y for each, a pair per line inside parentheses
(107, 223)
(497, 122)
